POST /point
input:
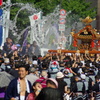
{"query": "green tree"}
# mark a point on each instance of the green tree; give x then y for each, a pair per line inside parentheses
(47, 6)
(79, 7)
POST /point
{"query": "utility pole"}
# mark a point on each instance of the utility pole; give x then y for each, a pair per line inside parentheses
(98, 15)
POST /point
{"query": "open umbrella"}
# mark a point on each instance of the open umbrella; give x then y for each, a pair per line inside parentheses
(14, 47)
(5, 79)
(18, 45)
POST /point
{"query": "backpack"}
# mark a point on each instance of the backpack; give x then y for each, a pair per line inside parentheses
(53, 67)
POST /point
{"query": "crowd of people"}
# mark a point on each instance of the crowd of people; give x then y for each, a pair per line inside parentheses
(55, 76)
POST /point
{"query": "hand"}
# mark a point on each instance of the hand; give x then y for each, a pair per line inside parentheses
(47, 55)
(37, 74)
(39, 87)
(5, 54)
(12, 98)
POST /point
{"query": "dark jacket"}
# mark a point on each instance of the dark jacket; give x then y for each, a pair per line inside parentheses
(26, 51)
(78, 86)
(12, 90)
(96, 87)
(36, 50)
(61, 86)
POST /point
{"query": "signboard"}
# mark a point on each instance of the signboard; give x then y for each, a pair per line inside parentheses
(62, 21)
(62, 12)
(62, 16)
(61, 27)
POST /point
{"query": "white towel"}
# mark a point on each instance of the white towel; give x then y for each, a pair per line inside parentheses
(27, 86)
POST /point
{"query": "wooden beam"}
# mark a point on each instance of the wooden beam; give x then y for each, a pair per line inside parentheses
(75, 51)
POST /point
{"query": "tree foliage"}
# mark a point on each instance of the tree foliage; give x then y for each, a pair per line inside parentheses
(47, 6)
(78, 8)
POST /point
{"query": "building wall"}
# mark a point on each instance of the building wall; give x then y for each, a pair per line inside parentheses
(94, 2)
(98, 15)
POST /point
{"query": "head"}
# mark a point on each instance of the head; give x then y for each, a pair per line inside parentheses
(54, 58)
(17, 65)
(34, 57)
(67, 65)
(1, 61)
(15, 52)
(37, 86)
(32, 70)
(35, 62)
(28, 45)
(49, 94)
(60, 45)
(44, 74)
(23, 71)
(76, 65)
(6, 61)
(34, 43)
(97, 78)
(52, 83)
(8, 40)
(66, 72)
(59, 75)
(83, 76)
(62, 63)
(45, 65)
(39, 57)
(68, 90)
(77, 78)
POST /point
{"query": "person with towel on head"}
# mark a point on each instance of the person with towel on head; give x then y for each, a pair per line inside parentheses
(43, 78)
(62, 85)
(32, 77)
(78, 88)
(19, 87)
(96, 88)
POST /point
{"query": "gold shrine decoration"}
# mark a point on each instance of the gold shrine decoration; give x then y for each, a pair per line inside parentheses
(86, 36)
(86, 52)
(59, 51)
(78, 51)
(74, 51)
(87, 20)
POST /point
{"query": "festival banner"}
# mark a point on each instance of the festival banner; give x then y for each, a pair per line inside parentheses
(34, 17)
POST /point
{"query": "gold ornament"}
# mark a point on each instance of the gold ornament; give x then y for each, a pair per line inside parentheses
(87, 20)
